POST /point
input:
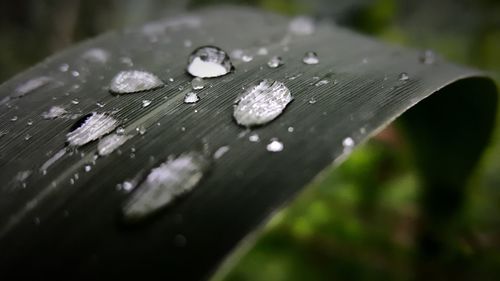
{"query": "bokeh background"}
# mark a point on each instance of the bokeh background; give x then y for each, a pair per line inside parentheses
(363, 220)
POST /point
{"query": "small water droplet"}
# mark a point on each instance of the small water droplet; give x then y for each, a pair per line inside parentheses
(164, 184)
(310, 58)
(262, 51)
(29, 122)
(127, 61)
(100, 104)
(312, 100)
(120, 130)
(275, 146)
(96, 55)
(88, 168)
(197, 83)
(90, 128)
(54, 112)
(254, 138)
(348, 144)
(403, 76)
(261, 104)
(64, 67)
(14, 118)
(141, 130)
(275, 62)
(188, 43)
(209, 62)
(322, 82)
(146, 103)
(75, 101)
(110, 143)
(427, 57)
(134, 81)
(247, 58)
(221, 151)
(191, 98)
(291, 129)
(302, 25)
(75, 73)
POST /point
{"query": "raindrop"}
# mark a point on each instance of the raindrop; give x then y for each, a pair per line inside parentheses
(275, 146)
(197, 83)
(254, 138)
(322, 82)
(134, 81)
(310, 58)
(403, 76)
(64, 67)
(146, 103)
(110, 143)
(275, 62)
(191, 98)
(262, 51)
(291, 129)
(164, 184)
(221, 151)
(90, 128)
(30, 122)
(427, 57)
(302, 25)
(261, 104)
(247, 58)
(208, 62)
(14, 118)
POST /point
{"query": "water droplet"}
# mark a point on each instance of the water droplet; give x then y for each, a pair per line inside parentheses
(197, 83)
(322, 82)
(87, 168)
(75, 73)
(141, 130)
(247, 58)
(237, 53)
(262, 51)
(191, 98)
(208, 62)
(427, 57)
(188, 43)
(254, 138)
(302, 25)
(120, 130)
(30, 122)
(75, 101)
(403, 76)
(275, 62)
(64, 67)
(164, 184)
(221, 151)
(312, 100)
(110, 143)
(261, 104)
(96, 55)
(146, 103)
(348, 144)
(127, 61)
(90, 128)
(310, 58)
(127, 186)
(275, 146)
(14, 118)
(100, 104)
(134, 81)
(46, 165)
(291, 129)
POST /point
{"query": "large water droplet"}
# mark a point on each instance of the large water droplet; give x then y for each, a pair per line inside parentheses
(302, 25)
(110, 143)
(197, 83)
(164, 184)
(261, 104)
(275, 62)
(275, 146)
(134, 81)
(191, 98)
(90, 128)
(54, 112)
(310, 58)
(208, 62)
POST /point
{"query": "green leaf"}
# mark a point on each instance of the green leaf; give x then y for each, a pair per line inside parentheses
(66, 222)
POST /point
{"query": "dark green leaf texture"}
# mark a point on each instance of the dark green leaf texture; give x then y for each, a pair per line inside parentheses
(55, 228)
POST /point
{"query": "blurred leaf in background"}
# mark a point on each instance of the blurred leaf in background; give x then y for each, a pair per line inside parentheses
(361, 220)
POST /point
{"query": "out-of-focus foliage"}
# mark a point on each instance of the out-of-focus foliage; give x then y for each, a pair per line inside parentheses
(360, 221)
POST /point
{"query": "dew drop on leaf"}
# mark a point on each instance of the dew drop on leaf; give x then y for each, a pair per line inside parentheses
(209, 62)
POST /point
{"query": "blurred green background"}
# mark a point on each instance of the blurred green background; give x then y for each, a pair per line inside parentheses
(362, 220)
